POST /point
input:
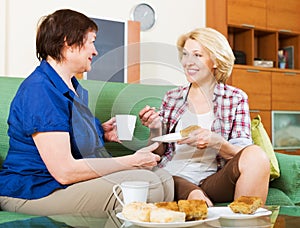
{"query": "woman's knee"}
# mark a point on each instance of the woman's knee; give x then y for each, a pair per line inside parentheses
(254, 156)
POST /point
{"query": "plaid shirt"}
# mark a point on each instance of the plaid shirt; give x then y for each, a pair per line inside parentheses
(231, 111)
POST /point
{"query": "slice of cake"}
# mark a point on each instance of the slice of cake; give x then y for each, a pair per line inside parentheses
(186, 131)
(194, 209)
(168, 205)
(162, 215)
(138, 211)
(246, 204)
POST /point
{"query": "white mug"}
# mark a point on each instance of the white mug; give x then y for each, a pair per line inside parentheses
(133, 191)
(125, 126)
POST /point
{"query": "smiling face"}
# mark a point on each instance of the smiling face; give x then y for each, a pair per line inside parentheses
(196, 61)
(81, 57)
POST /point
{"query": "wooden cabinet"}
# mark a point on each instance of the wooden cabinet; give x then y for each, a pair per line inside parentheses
(285, 91)
(280, 15)
(252, 27)
(283, 15)
(259, 93)
(247, 13)
(259, 28)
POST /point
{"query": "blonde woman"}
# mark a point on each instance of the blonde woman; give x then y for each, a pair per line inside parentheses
(217, 162)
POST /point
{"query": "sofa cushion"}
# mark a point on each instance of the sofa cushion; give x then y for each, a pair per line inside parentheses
(278, 197)
(290, 211)
(6, 216)
(289, 181)
(261, 138)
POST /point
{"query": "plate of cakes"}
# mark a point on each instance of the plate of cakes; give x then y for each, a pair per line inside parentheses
(245, 207)
(184, 213)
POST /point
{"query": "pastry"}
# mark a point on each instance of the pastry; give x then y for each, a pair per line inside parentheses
(246, 204)
(162, 215)
(148, 212)
(138, 211)
(186, 131)
(168, 205)
(194, 209)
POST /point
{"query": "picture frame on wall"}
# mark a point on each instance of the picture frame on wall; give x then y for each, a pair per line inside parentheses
(111, 62)
(289, 53)
(286, 130)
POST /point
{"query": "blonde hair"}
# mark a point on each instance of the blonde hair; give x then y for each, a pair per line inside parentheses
(218, 47)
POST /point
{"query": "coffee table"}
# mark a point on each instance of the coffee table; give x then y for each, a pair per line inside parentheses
(281, 217)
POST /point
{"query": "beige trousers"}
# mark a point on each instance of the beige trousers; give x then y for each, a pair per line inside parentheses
(93, 197)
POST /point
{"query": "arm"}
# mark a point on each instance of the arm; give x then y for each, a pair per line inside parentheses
(202, 138)
(240, 132)
(55, 151)
(150, 118)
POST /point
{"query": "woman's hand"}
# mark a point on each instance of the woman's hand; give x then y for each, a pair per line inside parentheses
(150, 118)
(202, 138)
(110, 130)
(144, 158)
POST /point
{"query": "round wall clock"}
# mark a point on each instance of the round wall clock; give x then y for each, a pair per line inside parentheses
(145, 14)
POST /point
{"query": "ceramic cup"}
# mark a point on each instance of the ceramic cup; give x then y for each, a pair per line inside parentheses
(132, 191)
(125, 126)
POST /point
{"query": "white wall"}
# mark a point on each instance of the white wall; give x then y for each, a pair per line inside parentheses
(2, 36)
(159, 63)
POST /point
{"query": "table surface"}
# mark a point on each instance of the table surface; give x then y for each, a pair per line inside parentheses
(109, 220)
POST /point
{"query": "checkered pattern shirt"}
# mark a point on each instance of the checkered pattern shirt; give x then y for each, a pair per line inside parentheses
(231, 111)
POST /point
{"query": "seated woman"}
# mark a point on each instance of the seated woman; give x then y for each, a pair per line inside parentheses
(57, 162)
(216, 162)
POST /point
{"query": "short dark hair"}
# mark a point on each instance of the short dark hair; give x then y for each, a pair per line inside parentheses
(62, 26)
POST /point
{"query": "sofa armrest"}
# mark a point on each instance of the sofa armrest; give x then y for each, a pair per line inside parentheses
(289, 180)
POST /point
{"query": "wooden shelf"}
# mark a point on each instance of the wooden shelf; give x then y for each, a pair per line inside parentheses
(249, 27)
(259, 28)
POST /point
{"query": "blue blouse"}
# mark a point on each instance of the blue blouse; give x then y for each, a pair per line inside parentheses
(44, 103)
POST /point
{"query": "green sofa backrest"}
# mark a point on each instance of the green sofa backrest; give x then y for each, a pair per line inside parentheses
(8, 88)
(105, 100)
(110, 98)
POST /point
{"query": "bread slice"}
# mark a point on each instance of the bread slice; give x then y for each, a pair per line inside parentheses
(138, 211)
(168, 205)
(194, 209)
(162, 215)
(186, 131)
(246, 204)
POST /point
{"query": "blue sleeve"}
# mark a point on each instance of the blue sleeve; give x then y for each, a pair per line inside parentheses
(44, 108)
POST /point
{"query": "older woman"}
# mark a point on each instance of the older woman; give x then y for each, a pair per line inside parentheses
(217, 162)
(57, 162)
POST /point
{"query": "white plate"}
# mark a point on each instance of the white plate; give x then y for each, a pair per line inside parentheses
(173, 137)
(211, 216)
(227, 213)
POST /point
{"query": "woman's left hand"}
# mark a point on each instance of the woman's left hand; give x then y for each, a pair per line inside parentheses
(110, 130)
(202, 138)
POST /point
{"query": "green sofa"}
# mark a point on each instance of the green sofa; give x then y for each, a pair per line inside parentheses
(109, 98)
